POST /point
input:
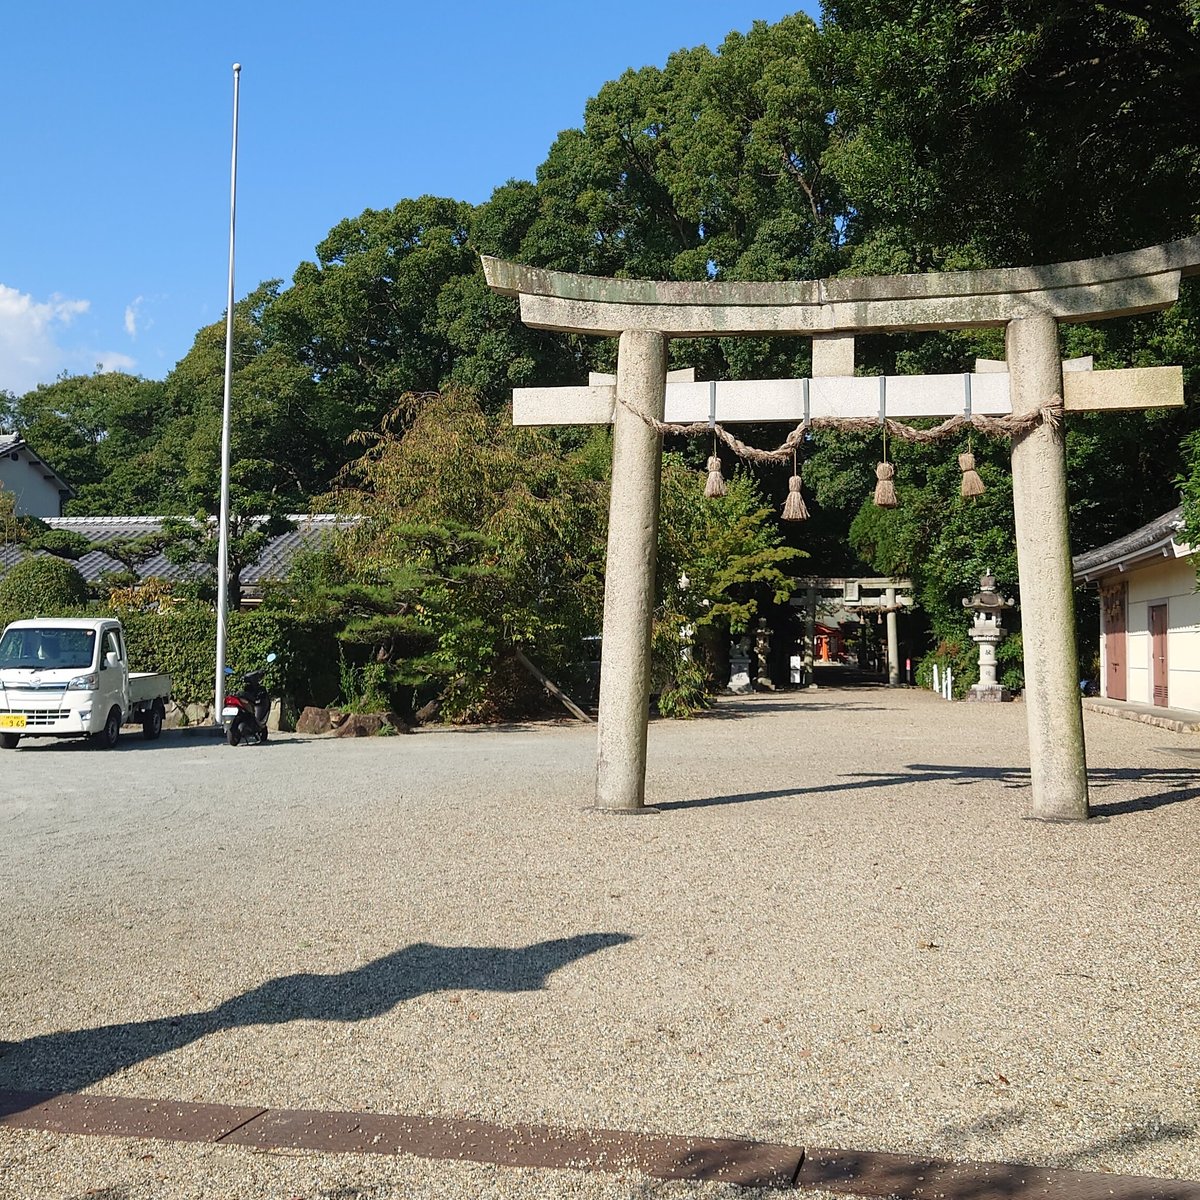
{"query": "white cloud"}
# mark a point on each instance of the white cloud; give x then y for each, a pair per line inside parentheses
(29, 352)
(31, 341)
(133, 312)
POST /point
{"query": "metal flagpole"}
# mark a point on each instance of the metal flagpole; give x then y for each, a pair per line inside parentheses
(223, 543)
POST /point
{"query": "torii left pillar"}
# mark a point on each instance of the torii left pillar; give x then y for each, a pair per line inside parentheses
(1057, 763)
(629, 574)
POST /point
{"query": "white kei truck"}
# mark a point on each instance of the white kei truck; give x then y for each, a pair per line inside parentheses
(70, 677)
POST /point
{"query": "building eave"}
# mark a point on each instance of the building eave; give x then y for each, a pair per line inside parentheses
(1157, 540)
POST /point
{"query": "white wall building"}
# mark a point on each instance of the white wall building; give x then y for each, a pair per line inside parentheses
(39, 490)
(1149, 615)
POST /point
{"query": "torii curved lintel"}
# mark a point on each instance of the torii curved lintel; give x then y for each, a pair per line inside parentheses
(1089, 289)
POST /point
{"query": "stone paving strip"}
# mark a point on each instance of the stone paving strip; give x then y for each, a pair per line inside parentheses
(743, 1164)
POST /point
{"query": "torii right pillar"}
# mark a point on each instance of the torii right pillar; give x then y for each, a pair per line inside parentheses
(1058, 768)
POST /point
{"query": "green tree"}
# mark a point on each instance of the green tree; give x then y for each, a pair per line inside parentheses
(530, 576)
(99, 432)
(1007, 132)
(62, 543)
(730, 553)
(43, 584)
(364, 319)
(422, 620)
(12, 530)
(989, 134)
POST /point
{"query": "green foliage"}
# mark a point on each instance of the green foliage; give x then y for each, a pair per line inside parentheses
(679, 680)
(11, 530)
(21, 529)
(62, 543)
(477, 540)
(940, 539)
(729, 548)
(987, 134)
(43, 585)
(195, 542)
(961, 655)
(99, 432)
(1008, 131)
(182, 642)
(1010, 662)
(412, 616)
(731, 555)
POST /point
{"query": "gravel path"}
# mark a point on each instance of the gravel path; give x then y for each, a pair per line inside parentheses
(837, 931)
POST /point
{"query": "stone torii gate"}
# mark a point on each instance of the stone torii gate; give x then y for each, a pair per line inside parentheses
(1028, 302)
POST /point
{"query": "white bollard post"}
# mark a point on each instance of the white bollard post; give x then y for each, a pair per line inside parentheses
(937, 683)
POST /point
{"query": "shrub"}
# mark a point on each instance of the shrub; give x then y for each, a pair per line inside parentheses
(961, 655)
(182, 642)
(43, 584)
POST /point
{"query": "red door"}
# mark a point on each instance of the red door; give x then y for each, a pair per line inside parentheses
(1158, 653)
(1113, 602)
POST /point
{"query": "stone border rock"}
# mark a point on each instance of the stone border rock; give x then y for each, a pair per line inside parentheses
(335, 722)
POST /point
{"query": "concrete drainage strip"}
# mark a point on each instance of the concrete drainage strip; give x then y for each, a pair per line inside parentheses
(731, 1161)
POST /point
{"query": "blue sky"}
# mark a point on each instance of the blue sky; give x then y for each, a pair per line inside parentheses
(116, 139)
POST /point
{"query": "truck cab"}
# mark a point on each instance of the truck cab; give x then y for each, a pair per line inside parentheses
(69, 677)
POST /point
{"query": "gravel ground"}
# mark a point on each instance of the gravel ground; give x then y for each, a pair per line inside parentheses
(837, 931)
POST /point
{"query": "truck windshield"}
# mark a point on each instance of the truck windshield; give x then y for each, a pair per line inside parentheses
(49, 649)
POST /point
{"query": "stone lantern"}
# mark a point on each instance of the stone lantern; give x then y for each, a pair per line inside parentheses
(987, 633)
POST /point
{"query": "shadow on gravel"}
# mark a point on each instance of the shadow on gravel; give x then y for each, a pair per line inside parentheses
(736, 710)
(131, 741)
(1172, 785)
(962, 1139)
(77, 1058)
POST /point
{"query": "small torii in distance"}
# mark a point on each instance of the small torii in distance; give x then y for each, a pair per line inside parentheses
(1028, 302)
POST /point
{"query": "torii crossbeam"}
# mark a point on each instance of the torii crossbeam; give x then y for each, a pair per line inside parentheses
(1028, 301)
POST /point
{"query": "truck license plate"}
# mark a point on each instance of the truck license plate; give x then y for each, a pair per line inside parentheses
(12, 720)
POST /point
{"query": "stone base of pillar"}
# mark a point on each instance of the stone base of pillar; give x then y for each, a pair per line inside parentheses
(991, 693)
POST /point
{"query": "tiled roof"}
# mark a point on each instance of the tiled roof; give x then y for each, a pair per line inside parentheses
(1151, 540)
(309, 530)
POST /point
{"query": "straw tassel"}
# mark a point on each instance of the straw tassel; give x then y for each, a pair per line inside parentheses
(794, 508)
(885, 489)
(972, 485)
(716, 481)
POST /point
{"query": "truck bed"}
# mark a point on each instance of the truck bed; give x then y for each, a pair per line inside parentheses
(145, 686)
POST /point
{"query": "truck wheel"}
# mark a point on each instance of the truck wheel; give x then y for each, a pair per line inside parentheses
(106, 739)
(152, 723)
(8, 741)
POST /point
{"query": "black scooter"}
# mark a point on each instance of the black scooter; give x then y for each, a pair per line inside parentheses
(245, 713)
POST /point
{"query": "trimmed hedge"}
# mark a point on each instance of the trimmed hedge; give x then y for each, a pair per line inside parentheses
(183, 643)
(43, 582)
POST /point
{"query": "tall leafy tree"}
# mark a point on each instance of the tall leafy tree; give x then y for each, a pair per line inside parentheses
(1013, 131)
(99, 432)
(1001, 132)
(364, 319)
